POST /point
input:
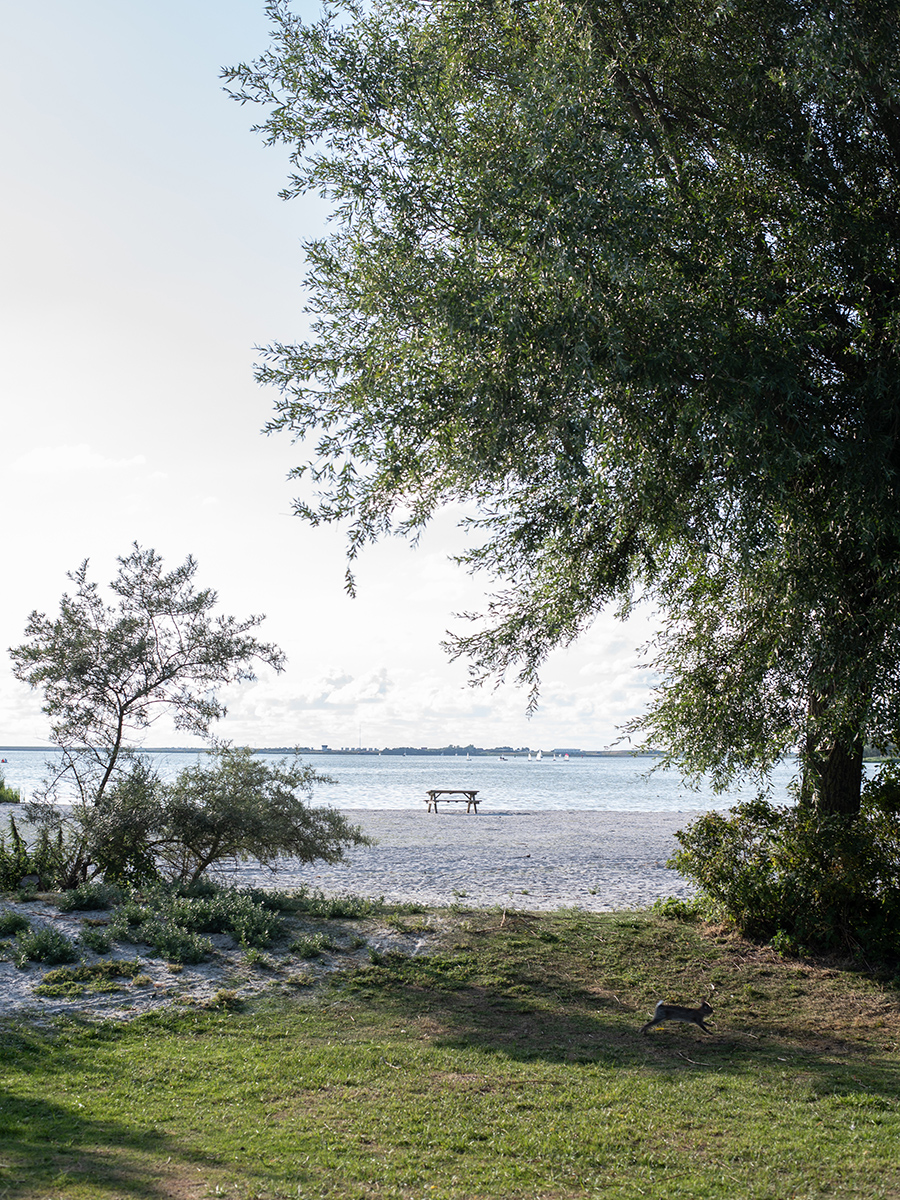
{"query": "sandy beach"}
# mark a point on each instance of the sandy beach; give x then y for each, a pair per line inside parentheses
(596, 861)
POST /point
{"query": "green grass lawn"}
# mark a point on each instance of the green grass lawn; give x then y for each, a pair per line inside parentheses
(510, 1064)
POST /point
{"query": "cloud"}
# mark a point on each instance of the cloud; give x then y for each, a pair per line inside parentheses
(50, 460)
(336, 690)
(585, 700)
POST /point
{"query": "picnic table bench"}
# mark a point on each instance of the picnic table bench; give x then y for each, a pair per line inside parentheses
(458, 795)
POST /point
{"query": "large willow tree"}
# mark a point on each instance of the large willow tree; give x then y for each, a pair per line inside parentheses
(622, 275)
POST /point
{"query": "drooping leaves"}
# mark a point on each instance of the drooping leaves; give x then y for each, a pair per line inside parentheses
(623, 278)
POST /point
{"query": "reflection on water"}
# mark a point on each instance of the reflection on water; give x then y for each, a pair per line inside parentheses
(392, 781)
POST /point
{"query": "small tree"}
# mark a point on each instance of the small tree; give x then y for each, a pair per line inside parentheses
(230, 809)
(621, 277)
(107, 671)
(240, 807)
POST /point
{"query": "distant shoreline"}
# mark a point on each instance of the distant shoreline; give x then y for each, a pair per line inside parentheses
(395, 751)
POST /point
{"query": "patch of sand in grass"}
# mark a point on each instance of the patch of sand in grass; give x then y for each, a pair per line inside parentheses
(229, 977)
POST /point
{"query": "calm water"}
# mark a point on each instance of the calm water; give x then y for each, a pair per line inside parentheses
(364, 781)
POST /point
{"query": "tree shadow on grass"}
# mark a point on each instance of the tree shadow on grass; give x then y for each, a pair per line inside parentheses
(535, 1014)
(55, 1149)
(47, 1149)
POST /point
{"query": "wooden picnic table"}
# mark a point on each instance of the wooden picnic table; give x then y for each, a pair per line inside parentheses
(458, 795)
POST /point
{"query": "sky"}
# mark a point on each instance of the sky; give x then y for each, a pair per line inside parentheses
(145, 255)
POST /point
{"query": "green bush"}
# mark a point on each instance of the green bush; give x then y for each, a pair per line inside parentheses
(135, 922)
(8, 795)
(48, 857)
(12, 922)
(227, 911)
(128, 918)
(172, 919)
(173, 943)
(98, 940)
(808, 881)
(163, 915)
(311, 946)
(87, 896)
(214, 910)
(274, 900)
(316, 904)
(674, 909)
(43, 945)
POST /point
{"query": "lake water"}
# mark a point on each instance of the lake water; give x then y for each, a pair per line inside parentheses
(397, 782)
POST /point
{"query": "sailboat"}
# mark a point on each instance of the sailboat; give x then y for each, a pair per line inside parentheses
(540, 755)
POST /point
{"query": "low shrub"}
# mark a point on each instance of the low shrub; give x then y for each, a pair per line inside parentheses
(214, 910)
(12, 922)
(810, 881)
(316, 904)
(87, 896)
(43, 945)
(127, 920)
(274, 900)
(175, 944)
(170, 941)
(227, 911)
(311, 946)
(675, 909)
(256, 958)
(98, 940)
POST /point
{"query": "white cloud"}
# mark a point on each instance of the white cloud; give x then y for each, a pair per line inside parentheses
(50, 460)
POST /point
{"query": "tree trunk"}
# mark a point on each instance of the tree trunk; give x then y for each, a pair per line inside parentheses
(836, 779)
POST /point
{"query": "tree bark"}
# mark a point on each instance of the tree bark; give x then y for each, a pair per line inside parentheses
(836, 779)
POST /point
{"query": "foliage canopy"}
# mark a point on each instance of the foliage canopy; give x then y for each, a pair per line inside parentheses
(624, 276)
